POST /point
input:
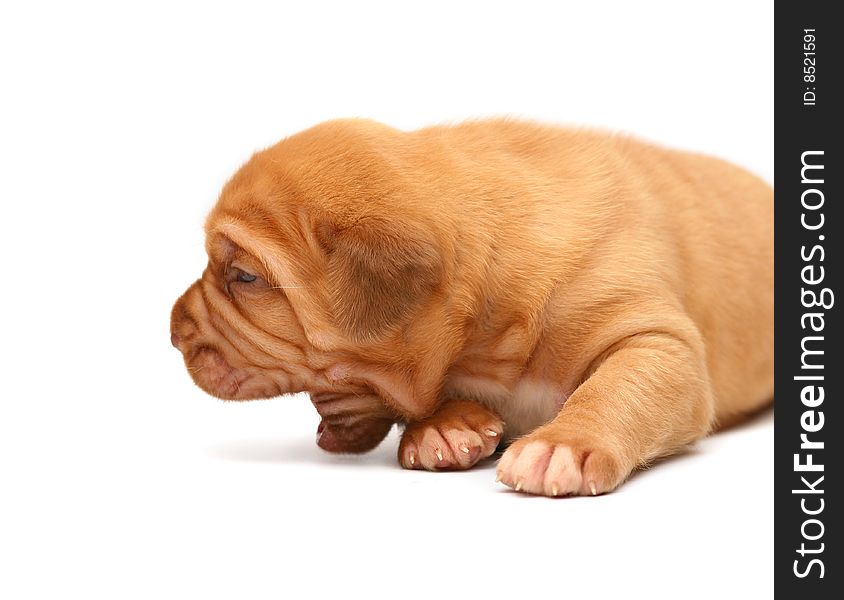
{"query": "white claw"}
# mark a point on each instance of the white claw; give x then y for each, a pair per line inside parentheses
(554, 489)
(491, 433)
(439, 454)
(412, 459)
(519, 485)
(592, 488)
(464, 449)
(498, 478)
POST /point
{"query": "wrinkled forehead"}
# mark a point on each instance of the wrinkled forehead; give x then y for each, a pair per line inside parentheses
(233, 236)
(272, 206)
(247, 227)
(275, 238)
(255, 211)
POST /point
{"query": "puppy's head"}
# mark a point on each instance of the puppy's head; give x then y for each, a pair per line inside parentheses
(319, 255)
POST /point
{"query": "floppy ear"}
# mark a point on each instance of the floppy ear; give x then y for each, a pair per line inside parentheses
(379, 270)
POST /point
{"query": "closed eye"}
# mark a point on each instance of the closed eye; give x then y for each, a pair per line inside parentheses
(236, 276)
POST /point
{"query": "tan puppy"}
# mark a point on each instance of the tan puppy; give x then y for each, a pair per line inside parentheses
(601, 301)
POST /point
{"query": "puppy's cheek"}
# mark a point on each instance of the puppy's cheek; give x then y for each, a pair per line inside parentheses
(355, 439)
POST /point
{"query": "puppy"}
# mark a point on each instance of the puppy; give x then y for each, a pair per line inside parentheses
(598, 301)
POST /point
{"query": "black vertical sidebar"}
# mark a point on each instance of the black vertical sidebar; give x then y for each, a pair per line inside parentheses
(809, 446)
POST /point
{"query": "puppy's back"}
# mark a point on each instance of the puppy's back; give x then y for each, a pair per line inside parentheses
(705, 226)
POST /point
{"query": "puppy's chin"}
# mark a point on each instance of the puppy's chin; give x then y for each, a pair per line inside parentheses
(361, 437)
(214, 375)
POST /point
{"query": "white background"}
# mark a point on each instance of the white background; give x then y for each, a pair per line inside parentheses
(120, 479)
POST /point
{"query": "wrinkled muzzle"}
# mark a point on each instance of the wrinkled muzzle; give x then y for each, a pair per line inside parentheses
(353, 419)
(202, 345)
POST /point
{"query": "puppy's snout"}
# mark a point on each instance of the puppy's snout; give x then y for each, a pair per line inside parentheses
(181, 332)
(182, 325)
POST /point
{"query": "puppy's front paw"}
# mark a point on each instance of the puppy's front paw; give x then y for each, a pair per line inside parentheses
(539, 464)
(454, 438)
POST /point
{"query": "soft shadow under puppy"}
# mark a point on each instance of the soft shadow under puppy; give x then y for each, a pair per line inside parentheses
(303, 450)
(300, 450)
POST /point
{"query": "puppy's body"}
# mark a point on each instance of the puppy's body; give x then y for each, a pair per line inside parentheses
(608, 300)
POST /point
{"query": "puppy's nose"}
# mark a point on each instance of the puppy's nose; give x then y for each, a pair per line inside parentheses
(175, 340)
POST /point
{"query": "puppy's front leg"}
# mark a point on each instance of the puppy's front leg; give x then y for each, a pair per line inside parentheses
(647, 398)
(457, 436)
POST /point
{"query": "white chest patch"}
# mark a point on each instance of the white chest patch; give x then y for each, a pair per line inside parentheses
(528, 405)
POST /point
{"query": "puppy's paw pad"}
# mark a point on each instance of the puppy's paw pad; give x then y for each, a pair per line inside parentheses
(558, 469)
